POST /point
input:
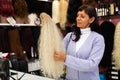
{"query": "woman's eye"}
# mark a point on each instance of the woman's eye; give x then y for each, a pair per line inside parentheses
(82, 16)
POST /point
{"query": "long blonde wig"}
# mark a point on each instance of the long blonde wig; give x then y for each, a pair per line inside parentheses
(116, 49)
(63, 12)
(59, 12)
(56, 11)
(50, 40)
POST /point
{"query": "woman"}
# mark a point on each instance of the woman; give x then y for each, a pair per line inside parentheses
(84, 47)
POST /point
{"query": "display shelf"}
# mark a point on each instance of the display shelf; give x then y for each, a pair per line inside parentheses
(3, 24)
(114, 18)
(26, 76)
(46, 0)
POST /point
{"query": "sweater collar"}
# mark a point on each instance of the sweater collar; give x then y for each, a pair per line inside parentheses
(85, 31)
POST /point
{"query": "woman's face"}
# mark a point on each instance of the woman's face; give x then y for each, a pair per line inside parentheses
(83, 20)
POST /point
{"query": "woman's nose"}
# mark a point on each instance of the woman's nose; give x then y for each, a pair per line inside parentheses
(78, 19)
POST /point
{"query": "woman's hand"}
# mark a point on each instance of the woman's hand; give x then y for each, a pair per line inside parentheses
(60, 56)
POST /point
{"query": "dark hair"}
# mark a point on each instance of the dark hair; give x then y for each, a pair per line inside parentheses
(20, 8)
(91, 13)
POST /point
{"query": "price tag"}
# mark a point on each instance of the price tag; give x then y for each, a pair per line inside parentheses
(33, 65)
(11, 20)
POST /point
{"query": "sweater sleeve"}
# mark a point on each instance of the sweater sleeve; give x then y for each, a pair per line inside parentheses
(67, 39)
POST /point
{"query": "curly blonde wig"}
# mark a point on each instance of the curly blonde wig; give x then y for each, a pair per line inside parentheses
(116, 49)
(63, 12)
(50, 41)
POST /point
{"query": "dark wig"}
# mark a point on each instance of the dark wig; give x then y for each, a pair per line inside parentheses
(20, 8)
(72, 10)
(4, 42)
(27, 41)
(107, 29)
(6, 8)
(15, 43)
(91, 13)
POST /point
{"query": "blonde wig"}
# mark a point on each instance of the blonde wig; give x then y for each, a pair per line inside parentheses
(50, 41)
(31, 18)
(63, 12)
(56, 11)
(116, 49)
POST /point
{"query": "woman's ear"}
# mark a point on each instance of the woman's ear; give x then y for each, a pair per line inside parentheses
(92, 19)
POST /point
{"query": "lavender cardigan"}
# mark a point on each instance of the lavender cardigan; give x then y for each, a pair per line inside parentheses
(83, 65)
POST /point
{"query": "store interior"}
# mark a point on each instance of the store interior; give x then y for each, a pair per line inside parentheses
(20, 33)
